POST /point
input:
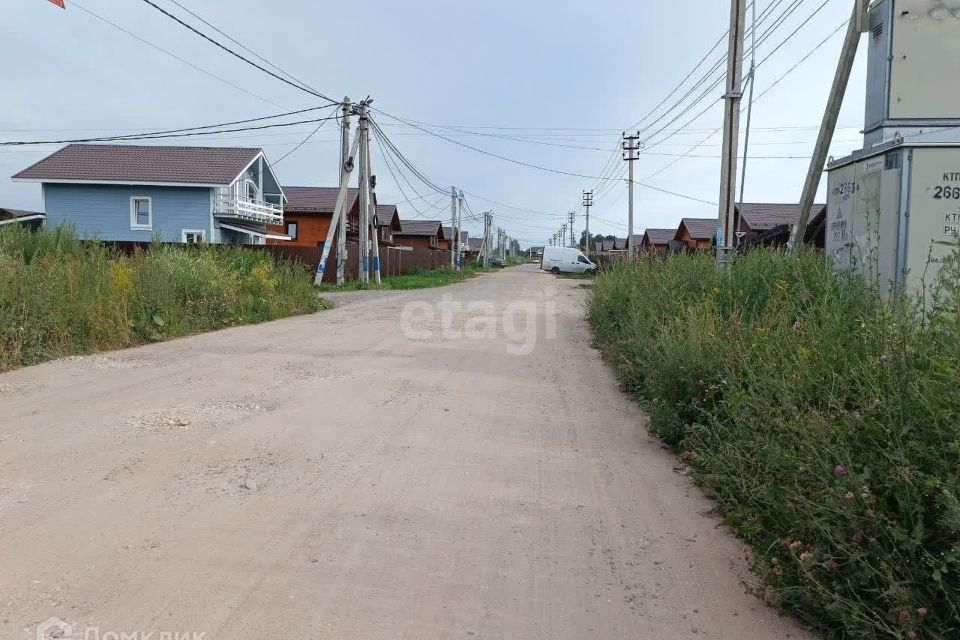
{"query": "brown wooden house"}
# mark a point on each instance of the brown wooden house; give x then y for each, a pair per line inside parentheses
(387, 223)
(419, 234)
(307, 215)
(656, 240)
(772, 223)
(696, 233)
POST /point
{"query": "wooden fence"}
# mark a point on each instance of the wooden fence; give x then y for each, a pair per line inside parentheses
(394, 261)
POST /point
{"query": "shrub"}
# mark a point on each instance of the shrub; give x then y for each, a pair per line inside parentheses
(825, 421)
(62, 296)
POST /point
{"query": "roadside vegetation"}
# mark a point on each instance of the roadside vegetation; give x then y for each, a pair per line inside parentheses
(60, 296)
(416, 278)
(823, 419)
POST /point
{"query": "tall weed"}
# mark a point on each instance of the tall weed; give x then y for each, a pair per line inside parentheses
(825, 420)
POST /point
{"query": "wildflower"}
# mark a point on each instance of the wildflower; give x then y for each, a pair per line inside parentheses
(830, 564)
(869, 513)
(872, 501)
(839, 469)
(849, 495)
(921, 611)
(912, 634)
(789, 505)
(858, 538)
(796, 544)
(884, 359)
(804, 556)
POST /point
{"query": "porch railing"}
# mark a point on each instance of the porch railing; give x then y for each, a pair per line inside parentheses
(248, 209)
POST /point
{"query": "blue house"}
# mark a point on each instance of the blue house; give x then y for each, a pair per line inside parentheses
(184, 194)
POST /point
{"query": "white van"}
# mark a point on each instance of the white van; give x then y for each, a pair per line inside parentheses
(566, 259)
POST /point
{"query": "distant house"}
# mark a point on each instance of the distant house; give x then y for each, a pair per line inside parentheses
(387, 222)
(696, 233)
(181, 194)
(771, 223)
(448, 235)
(657, 240)
(31, 219)
(309, 211)
(419, 234)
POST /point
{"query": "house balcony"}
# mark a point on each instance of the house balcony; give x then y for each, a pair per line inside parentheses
(249, 209)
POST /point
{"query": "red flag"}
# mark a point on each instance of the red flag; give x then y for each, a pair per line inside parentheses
(59, 3)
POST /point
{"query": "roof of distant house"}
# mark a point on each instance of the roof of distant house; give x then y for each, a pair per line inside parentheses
(660, 236)
(387, 216)
(765, 216)
(132, 164)
(421, 228)
(476, 244)
(699, 228)
(12, 216)
(316, 199)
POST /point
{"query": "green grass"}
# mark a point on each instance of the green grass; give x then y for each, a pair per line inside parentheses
(823, 419)
(416, 278)
(60, 296)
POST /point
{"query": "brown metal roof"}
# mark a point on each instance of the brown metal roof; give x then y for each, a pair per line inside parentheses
(11, 214)
(421, 228)
(387, 216)
(766, 216)
(142, 164)
(316, 199)
(699, 228)
(476, 244)
(660, 236)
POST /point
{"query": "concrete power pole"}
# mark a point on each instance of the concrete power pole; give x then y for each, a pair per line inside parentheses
(342, 224)
(364, 242)
(631, 153)
(731, 130)
(858, 24)
(572, 241)
(587, 203)
(460, 248)
(453, 228)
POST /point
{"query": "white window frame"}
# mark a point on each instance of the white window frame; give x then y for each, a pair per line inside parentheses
(133, 213)
(246, 189)
(200, 232)
(286, 228)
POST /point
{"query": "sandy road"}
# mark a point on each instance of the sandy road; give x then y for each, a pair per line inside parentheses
(389, 469)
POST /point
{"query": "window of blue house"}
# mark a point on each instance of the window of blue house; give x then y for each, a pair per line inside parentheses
(141, 213)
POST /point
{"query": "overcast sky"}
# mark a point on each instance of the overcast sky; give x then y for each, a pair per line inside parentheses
(565, 75)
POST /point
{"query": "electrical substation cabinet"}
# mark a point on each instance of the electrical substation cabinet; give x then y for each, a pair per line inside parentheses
(893, 214)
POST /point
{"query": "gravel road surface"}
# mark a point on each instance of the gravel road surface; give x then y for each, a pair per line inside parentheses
(443, 463)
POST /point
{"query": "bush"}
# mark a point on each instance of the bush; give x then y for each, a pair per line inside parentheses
(61, 296)
(825, 421)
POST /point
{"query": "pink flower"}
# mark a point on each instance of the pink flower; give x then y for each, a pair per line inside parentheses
(839, 469)
(830, 564)
(869, 513)
(796, 544)
(849, 495)
(804, 556)
(921, 611)
(912, 634)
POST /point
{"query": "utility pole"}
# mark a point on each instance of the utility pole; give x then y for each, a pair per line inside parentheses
(858, 24)
(453, 228)
(338, 209)
(460, 230)
(364, 242)
(631, 152)
(342, 224)
(587, 203)
(572, 241)
(731, 130)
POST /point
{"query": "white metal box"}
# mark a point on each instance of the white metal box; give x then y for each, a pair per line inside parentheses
(913, 54)
(893, 214)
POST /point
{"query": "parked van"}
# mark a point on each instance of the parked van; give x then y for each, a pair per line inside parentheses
(566, 259)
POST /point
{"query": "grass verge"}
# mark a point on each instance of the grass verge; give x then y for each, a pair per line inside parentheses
(824, 420)
(416, 278)
(60, 296)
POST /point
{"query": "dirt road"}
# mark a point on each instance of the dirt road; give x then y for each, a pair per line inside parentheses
(400, 467)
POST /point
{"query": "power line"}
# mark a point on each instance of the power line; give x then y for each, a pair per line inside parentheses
(238, 55)
(174, 56)
(304, 141)
(176, 133)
